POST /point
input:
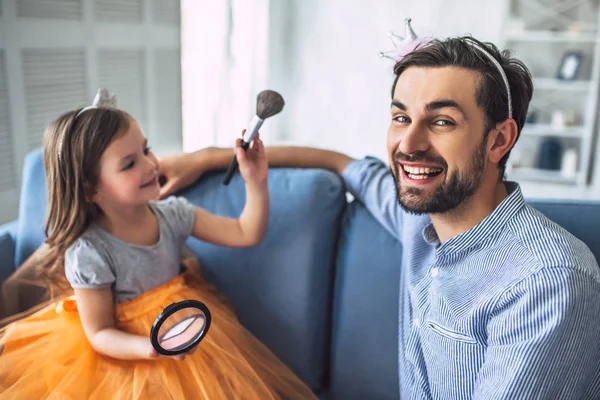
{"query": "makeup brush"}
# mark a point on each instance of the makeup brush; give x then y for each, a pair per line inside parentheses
(268, 103)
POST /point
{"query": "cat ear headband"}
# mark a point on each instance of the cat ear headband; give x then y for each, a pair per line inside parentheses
(410, 42)
(102, 99)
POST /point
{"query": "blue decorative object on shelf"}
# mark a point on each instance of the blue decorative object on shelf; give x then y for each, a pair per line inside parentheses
(550, 155)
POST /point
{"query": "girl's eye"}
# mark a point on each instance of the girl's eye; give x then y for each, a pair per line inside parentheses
(129, 166)
(147, 150)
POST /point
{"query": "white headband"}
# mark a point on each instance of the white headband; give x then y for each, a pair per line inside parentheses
(102, 98)
(407, 44)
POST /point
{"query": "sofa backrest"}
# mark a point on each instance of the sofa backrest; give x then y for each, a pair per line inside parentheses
(364, 345)
(33, 204)
(364, 362)
(281, 290)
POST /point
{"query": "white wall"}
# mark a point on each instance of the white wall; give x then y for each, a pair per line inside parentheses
(324, 60)
(328, 69)
(322, 56)
(224, 66)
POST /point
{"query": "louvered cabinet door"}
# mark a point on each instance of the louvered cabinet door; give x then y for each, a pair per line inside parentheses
(166, 12)
(54, 82)
(119, 10)
(54, 9)
(123, 73)
(8, 172)
(167, 113)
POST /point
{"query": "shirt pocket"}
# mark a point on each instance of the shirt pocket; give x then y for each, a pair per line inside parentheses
(449, 333)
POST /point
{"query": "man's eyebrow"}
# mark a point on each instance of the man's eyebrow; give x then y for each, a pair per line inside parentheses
(446, 103)
(396, 103)
(434, 105)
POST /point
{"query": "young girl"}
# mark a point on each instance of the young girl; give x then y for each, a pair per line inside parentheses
(119, 250)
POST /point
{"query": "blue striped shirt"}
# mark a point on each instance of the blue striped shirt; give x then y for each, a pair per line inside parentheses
(509, 309)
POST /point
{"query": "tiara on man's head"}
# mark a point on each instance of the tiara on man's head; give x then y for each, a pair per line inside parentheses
(411, 42)
(403, 45)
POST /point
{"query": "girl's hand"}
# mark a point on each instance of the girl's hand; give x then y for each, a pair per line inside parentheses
(153, 354)
(253, 163)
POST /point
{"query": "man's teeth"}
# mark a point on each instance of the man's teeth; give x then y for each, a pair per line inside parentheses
(411, 176)
(421, 171)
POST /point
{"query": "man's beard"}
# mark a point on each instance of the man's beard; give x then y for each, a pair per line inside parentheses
(449, 194)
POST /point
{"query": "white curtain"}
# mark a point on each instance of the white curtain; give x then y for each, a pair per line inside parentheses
(224, 67)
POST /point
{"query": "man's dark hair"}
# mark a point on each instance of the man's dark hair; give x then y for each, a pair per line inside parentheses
(491, 95)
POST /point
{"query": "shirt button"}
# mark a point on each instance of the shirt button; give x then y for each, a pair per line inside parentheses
(434, 272)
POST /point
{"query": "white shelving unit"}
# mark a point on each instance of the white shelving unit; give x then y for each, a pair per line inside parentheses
(540, 34)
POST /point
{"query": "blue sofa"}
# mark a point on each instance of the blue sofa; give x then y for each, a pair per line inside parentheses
(321, 291)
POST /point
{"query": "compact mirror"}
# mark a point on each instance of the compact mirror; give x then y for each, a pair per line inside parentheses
(180, 327)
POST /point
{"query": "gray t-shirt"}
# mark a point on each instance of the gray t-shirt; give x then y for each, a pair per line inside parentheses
(98, 259)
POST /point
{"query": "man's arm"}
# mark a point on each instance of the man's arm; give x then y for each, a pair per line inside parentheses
(181, 170)
(543, 343)
(369, 180)
(282, 156)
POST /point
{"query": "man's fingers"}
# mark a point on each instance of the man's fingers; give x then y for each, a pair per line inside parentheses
(167, 189)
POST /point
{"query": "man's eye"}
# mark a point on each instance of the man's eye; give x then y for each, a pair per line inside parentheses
(443, 122)
(401, 118)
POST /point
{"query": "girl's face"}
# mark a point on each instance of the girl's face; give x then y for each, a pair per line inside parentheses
(128, 171)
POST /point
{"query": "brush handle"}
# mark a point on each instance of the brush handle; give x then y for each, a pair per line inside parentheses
(234, 164)
(253, 128)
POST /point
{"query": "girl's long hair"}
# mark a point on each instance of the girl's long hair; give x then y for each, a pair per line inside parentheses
(73, 146)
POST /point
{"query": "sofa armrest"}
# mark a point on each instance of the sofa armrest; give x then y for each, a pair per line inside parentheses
(8, 239)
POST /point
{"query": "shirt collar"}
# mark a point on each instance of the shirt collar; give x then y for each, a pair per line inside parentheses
(505, 211)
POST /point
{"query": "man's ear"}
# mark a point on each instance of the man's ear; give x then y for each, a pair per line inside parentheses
(501, 139)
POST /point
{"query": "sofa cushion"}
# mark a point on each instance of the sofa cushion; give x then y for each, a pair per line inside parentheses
(364, 359)
(281, 289)
(32, 207)
(7, 255)
(8, 238)
(10, 228)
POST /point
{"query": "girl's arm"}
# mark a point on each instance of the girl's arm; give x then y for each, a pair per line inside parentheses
(96, 310)
(251, 227)
(247, 230)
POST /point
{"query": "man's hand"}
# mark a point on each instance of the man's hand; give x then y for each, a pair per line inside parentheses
(180, 171)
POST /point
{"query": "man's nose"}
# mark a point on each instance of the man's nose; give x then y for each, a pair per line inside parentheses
(414, 139)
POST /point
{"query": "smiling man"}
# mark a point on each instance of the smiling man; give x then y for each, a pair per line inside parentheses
(496, 301)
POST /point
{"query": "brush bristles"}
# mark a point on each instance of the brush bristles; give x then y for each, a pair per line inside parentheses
(268, 103)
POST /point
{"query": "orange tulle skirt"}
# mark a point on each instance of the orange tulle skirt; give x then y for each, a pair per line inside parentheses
(47, 356)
